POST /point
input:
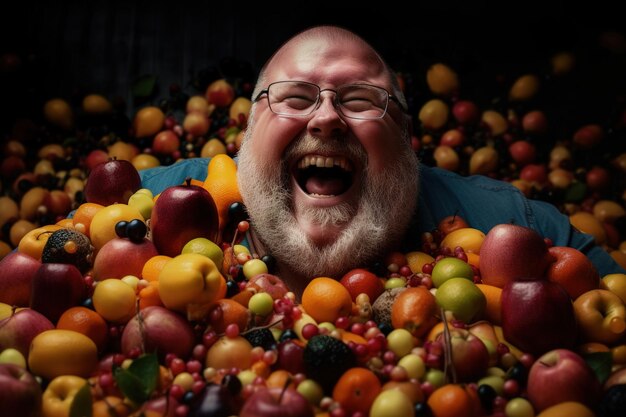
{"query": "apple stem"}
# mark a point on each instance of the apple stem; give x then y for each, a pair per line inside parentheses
(448, 365)
(188, 181)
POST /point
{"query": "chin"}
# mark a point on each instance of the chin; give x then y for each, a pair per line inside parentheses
(325, 221)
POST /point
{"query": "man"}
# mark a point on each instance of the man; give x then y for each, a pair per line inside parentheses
(328, 175)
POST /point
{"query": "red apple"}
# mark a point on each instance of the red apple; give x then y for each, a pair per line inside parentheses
(470, 356)
(598, 178)
(58, 203)
(112, 182)
(359, 281)
(12, 166)
(522, 152)
(16, 276)
(511, 252)
(276, 402)
(57, 287)
(121, 256)
(94, 158)
(158, 329)
(537, 316)
(19, 329)
(451, 223)
(465, 112)
(268, 283)
(562, 375)
(535, 122)
(165, 143)
(536, 174)
(452, 138)
(220, 93)
(20, 393)
(182, 213)
(588, 136)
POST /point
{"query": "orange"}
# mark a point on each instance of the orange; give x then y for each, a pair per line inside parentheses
(149, 296)
(148, 121)
(450, 400)
(153, 267)
(87, 322)
(356, 390)
(326, 299)
(221, 183)
(110, 406)
(416, 310)
(59, 352)
(279, 378)
(573, 271)
(83, 216)
(493, 308)
(65, 223)
(473, 259)
(232, 312)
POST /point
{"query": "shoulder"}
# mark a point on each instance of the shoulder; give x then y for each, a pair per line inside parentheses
(159, 178)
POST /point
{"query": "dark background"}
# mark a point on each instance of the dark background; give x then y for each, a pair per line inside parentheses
(70, 49)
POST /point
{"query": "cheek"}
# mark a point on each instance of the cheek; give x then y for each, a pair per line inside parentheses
(272, 135)
(382, 143)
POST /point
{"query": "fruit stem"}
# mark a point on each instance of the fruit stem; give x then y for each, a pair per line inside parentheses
(188, 181)
(448, 364)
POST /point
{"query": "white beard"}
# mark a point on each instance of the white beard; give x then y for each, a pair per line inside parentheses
(373, 228)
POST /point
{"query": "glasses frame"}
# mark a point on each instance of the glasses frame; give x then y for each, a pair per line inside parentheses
(336, 103)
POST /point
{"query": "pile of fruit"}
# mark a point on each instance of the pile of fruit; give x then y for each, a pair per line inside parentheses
(118, 302)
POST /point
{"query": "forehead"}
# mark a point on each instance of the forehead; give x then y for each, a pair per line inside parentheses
(328, 62)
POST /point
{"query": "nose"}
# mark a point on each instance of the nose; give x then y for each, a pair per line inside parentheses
(326, 121)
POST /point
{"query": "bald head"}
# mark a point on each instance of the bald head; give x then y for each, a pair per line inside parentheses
(317, 40)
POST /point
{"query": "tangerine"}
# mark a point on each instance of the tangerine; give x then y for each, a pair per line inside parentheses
(493, 295)
(356, 390)
(86, 321)
(153, 266)
(84, 215)
(59, 352)
(230, 312)
(414, 309)
(450, 400)
(325, 299)
(221, 183)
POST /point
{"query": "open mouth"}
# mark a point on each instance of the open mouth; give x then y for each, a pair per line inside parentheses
(323, 176)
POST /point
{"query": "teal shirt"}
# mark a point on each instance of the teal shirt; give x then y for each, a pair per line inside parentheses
(483, 203)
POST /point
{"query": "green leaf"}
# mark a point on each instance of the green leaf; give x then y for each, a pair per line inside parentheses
(140, 379)
(131, 386)
(144, 86)
(601, 363)
(146, 368)
(82, 403)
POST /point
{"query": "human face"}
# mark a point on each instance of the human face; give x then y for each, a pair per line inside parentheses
(324, 207)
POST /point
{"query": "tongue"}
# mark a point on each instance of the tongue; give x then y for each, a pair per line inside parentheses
(324, 185)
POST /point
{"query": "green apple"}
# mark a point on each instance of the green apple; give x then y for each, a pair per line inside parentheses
(204, 246)
(13, 356)
(462, 298)
(451, 268)
(142, 202)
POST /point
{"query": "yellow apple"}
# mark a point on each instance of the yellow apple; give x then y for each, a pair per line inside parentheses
(601, 316)
(189, 282)
(59, 395)
(616, 283)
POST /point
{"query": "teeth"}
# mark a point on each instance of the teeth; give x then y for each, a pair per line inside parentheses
(325, 162)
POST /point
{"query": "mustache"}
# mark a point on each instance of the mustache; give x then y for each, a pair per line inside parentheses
(307, 144)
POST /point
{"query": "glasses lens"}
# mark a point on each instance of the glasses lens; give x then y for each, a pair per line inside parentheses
(362, 101)
(292, 98)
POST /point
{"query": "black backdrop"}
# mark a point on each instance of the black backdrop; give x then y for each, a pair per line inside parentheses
(73, 48)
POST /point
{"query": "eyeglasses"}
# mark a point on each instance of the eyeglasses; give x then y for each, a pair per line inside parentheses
(300, 98)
